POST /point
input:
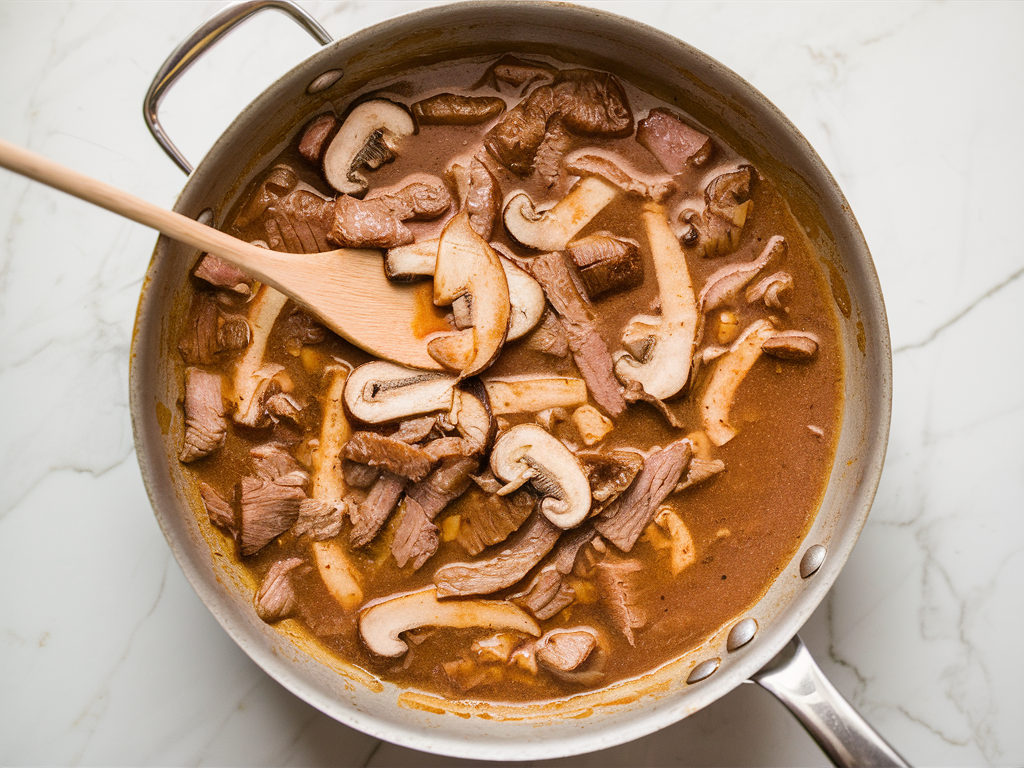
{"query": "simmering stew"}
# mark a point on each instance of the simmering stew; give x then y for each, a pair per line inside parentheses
(638, 413)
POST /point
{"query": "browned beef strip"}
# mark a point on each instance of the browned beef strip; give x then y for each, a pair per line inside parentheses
(388, 453)
(219, 509)
(377, 222)
(220, 274)
(606, 263)
(548, 593)
(672, 141)
(624, 519)
(512, 563)
(416, 537)
(583, 102)
(413, 430)
(359, 475)
(315, 136)
(200, 345)
(368, 517)
(618, 579)
(609, 473)
(268, 509)
(447, 447)
(490, 519)
(589, 350)
(205, 424)
(319, 519)
(299, 329)
(276, 599)
(279, 181)
(273, 462)
(549, 336)
(566, 650)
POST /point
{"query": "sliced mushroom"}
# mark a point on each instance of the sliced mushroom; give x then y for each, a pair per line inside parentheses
(526, 298)
(668, 531)
(716, 230)
(531, 395)
(368, 138)
(379, 392)
(338, 573)
(726, 284)
(592, 425)
(471, 414)
(791, 345)
(662, 347)
(454, 109)
(590, 162)
(527, 453)
(771, 290)
(381, 623)
(467, 265)
(729, 373)
(551, 230)
(252, 377)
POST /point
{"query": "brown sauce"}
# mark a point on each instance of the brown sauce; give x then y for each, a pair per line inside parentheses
(745, 522)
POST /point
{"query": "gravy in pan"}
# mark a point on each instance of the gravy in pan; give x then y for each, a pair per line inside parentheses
(626, 471)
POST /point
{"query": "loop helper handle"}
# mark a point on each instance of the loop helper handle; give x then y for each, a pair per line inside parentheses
(200, 41)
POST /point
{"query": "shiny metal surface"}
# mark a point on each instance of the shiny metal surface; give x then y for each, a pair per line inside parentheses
(729, 106)
(198, 43)
(796, 680)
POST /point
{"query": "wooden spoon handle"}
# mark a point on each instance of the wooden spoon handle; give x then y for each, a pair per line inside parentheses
(242, 255)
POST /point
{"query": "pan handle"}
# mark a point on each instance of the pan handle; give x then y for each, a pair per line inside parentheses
(795, 679)
(200, 41)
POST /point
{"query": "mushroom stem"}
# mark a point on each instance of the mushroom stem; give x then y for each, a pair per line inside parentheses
(669, 339)
(726, 379)
(554, 228)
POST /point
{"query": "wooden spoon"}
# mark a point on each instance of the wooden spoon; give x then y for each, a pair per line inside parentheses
(346, 289)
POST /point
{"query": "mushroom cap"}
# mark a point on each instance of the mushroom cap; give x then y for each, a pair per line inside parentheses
(378, 120)
(379, 392)
(528, 450)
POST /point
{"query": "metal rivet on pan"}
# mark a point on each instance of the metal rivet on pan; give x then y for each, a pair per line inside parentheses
(812, 560)
(703, 671)
(205, 217)
(741, 634)
(325, 81)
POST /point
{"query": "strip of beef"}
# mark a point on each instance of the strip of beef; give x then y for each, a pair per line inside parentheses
(219, 509)
(273, 462)
(699, 471)
(618, 579)
(416, 537)
(210, 332)
(512, 563)
(268, 509)
(320, 520)
(206, 427)
(609, 474)
(390, 454)
(673, 141)
(580, 101)
(589, 350)
(455, 109)
(489, 519)
(220, 274)
(377, 222)
(566, 650)
(548, 593)
(549, 337)
(413, 430)
(316, 136)
(368, 517)
(607, 263)
(276, 598)
(359, 475)
(622, 521)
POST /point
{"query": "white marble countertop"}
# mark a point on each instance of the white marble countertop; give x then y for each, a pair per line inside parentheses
(107, 657)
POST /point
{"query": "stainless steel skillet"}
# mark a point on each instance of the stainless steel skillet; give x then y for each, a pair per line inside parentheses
(758, 645)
